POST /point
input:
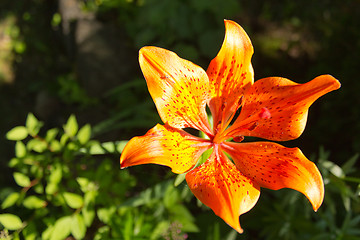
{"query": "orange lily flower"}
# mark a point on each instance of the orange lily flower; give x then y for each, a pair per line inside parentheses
(272, 108)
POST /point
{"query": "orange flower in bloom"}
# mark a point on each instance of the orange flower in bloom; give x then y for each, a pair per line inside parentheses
(272, 108)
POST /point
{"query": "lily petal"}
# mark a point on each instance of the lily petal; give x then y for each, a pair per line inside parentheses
(286, 104)
(230, 73)
(219, 185)
(178, 87)
(166, 146)
(274, 166)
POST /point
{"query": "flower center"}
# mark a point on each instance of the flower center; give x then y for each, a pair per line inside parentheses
(248, 124)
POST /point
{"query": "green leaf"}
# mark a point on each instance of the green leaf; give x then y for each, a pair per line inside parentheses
(34, 202)
(21, 179)
(20, 149)
(30, 231)
(348, 166)
(62, 228)
(109, 147)
(128, 228)
(64, 139)
(51, 134)
(10, 221)
(10, 200)
(33, 125)
(55, 173)
(84, 134)
(83, 182)
(46, 234)
(39, 188)
(55, 145)
(71, 127)
(78, 228)
(105, 214)
(179, 179)
(121, 145)
(96, 148)
(17, 133)
(51, 188)
(89, 215)
(334, 169)
(90, 195)
(73, 200)
(13, 162)
(37, 145)
(160, 228)
(171, 197)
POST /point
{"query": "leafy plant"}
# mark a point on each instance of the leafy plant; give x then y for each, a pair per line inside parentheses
(67, 186)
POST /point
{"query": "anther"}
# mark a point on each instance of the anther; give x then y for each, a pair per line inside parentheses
(223, 105)
(240, 102)
(238, 138)
(252, 127)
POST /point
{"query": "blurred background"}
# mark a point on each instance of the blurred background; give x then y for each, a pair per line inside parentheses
(72, 64)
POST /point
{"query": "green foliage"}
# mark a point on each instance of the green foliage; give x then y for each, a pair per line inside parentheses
(68, 186)
(10, 221)
(71, 92)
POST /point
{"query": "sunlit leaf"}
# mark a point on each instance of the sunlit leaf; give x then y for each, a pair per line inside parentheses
(21, 179)
(51, 188)
(78, 228)
(84, 134)
(55, 145)
(121, 145)
(334, 169)
(51, 134)
(17, 133)
(46, 234)
(10, 221)
(105, 214)
(56, 19)
(71, 126)
(33, 202)
(73, 200)
(55, 173)
(33, 125)
(37, 145)
(20, 149)
(89, 215)
(179, 179)
(62, 228)
(83, 182)
(10, 200)
(109, 146)
(96, 148)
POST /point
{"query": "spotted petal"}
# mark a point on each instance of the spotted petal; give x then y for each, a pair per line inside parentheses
(178, 87)
(219, 185)
(230, 73)
(286, 104)
(166, 146)
(274, 166)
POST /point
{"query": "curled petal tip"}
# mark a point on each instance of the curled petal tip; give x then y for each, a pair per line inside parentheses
(329, 78)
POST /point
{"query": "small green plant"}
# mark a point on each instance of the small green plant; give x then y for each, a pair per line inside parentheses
(68, 185)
